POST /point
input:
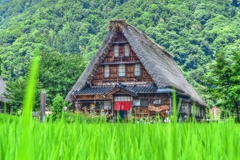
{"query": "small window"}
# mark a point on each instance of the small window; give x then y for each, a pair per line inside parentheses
(155, 101)
(122, 98)
(116, 51)
(136, 102)
(121, 70)
(144, 102)
(140, 102)
(99, 105)
(197, 111)
(137, 70)
(201, 111)
(106, 71)
(126, 50)
(189, 109)
(107, 105)
(183, 108)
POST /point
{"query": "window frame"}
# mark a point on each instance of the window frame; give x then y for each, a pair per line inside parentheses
(137, 73)
(140, 102)
(136, 103)
(106, 70)
(120, 70)
(152, 101)
(125, 47)
(122, 98)
(116, 50)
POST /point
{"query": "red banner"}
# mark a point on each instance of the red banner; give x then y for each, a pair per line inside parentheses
(122, 105)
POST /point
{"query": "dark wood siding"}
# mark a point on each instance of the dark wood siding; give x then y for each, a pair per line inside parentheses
(114, 62)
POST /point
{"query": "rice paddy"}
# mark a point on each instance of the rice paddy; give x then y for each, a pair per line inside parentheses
(61, 140)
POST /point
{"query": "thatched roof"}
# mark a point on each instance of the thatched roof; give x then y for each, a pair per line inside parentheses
(158, 62)
(2, 90)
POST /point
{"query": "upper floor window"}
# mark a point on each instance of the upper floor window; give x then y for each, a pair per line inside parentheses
(126, 50)
(137, 70)
(121, 70)
(116, 50)
(106, 71)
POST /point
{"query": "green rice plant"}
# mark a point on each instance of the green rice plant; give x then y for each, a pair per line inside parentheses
(28, 103)
(60, 140)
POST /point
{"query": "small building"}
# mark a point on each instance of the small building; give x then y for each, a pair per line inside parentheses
(215, 113)
(131, 75)
(2, 98)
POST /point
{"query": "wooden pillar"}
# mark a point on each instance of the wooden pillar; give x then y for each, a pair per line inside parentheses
(112, 109)
(42, 105)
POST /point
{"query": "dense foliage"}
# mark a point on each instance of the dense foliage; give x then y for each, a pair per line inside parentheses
(57, 107)
(191, 30)
(57, 74)
(223, 81)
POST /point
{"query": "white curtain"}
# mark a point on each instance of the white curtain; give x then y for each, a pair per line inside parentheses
(106, 71)
(116, 51)
(121, 70)
(137, 70)
(126, 50)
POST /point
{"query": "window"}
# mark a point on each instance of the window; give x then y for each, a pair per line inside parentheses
(99, 105)
(155, 101)
(201, 112)
(126, 50)
(106, 71)
(137, 70)
(107, 105)
(116, 51)
(198, 111)
(144, 102)
(122, 98)
(140, 102)
(183, 109)
(189, 109)
(136, 102)
(121, 70)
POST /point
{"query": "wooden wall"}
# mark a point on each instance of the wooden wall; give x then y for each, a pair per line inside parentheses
(114, 62)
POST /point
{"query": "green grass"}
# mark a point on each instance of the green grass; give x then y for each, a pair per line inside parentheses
(27, 139)
(60, 140)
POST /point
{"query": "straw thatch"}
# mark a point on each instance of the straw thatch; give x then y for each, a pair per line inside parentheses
(157, 61)
(2, 90)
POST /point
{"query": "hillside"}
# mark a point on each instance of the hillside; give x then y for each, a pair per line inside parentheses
(4, 1)
(191, 30)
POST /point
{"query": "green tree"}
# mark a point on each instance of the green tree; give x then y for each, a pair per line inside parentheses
(15, 93)
(57, 107)
(222, 80)
(57, 74)
(235, 79)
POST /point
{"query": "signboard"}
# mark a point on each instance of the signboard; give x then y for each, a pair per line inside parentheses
(159, 108)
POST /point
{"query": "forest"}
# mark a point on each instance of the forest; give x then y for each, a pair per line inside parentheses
(202, 35)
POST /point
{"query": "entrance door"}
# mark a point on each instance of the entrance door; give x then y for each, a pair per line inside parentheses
(122, 103)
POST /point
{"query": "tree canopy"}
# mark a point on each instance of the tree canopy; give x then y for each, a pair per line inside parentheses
(222, 80)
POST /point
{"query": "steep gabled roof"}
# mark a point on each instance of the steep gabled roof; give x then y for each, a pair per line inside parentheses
(157, 61)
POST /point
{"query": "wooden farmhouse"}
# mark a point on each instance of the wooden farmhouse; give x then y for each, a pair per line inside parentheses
(131, 75)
